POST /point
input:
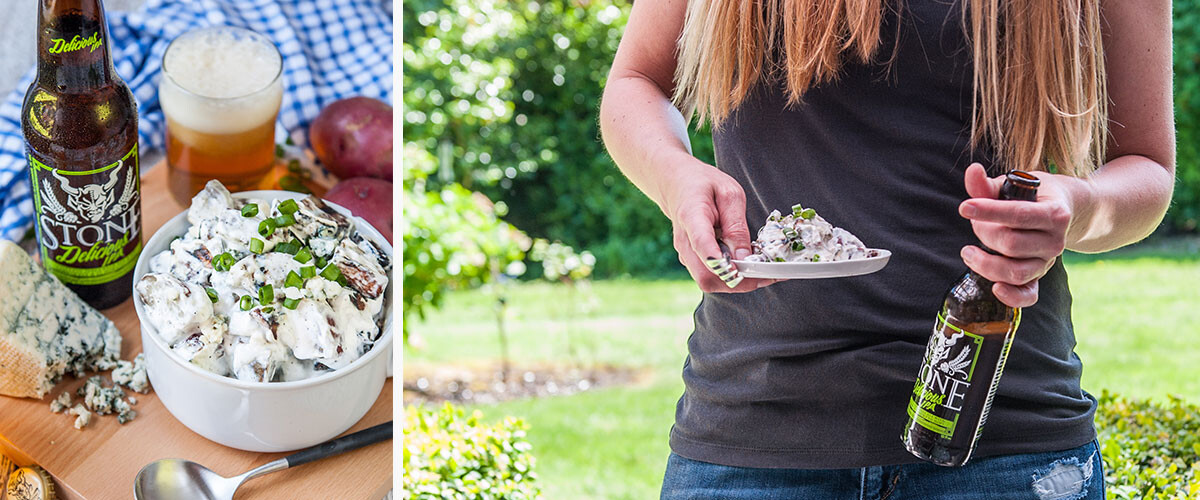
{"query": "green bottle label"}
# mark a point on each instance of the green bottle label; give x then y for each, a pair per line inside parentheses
(89, 223)
(946, 376)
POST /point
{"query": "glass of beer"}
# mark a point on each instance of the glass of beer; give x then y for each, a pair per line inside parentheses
(220, 92)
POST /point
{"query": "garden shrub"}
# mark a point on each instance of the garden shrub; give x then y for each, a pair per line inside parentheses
(449, 455)
(1151, 450)
(453, 238)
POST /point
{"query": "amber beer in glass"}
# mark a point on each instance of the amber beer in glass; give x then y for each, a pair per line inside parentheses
(963, 360)
(80, 126)
(220, 92)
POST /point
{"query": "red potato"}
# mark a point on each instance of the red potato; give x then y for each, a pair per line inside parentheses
(353, 138)
(368, 198)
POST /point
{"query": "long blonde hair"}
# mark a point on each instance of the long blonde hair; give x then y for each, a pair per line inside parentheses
(1039, 86)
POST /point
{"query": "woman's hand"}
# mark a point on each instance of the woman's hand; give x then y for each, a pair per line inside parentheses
(705, 204)
(1029, 236)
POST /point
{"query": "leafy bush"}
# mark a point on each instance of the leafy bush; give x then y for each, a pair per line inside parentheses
(453, 238)
(1150, 450)
(511, 91)
(449, 455)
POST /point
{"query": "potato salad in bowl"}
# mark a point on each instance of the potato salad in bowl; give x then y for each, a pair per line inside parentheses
(266, 290)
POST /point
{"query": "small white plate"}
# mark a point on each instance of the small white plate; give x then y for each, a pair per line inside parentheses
(813, 270)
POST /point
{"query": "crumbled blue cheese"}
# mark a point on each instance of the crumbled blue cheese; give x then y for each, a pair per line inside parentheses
(333, 323)
(45, 329)
(62, 402)
(106, 400)
(83, 417)
(132, 374)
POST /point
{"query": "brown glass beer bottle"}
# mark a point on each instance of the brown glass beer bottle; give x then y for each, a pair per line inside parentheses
(80, 125)
(963, 360)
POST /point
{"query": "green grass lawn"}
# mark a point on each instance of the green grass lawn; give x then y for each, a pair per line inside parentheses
(1135, 316)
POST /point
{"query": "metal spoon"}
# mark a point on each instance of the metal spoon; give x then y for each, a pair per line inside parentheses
(178, 479)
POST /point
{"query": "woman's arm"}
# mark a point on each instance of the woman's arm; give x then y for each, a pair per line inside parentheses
(647, 137)
(1123, 201)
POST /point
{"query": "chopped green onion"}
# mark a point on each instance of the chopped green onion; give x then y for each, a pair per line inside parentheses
(343, 281)
(278, 151)
(288, 207)
(293, 280)
(268, 310)
(779, 259)
(291, 303)
(797, 210)
(266, 294)
(266, 228)
(303, 256)
(291, 247)
(816, 258)
(285, 220)
(331, 273)
(293, 166)
(250, 210)
(246, 303)
(257, 245)
(790, 233)
(321, 262)
(808, 213)
(212, 294)
(222, 262)
(797, 246)
(307, 272)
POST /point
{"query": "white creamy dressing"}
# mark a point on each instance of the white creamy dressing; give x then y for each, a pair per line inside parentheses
(790, 238)
(331, 326)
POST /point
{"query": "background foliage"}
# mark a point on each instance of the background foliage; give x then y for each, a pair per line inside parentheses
(453, 239)
(1185, 208)
(508, 93)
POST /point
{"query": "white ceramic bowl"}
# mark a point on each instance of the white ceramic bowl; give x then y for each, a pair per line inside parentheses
(263, 417)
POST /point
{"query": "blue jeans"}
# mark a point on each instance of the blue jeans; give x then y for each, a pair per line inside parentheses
(1061, 475)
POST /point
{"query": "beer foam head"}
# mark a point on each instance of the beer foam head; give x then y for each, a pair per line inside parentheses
(221, 80)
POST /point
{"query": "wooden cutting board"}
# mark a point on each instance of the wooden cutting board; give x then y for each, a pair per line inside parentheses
(101, 461)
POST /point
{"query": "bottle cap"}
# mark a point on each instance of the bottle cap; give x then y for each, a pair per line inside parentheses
(30, 483)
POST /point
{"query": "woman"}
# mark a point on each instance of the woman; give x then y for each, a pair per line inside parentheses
(883, 115)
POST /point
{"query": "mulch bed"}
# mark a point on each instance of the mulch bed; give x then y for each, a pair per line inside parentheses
(485, 384)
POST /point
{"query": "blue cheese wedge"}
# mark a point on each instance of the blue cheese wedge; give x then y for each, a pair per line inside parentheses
(46, 330)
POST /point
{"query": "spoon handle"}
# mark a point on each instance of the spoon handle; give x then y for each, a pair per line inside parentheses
(381, 432)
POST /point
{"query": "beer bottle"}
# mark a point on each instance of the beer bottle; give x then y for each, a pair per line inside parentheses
(963, 360)
(80, 125)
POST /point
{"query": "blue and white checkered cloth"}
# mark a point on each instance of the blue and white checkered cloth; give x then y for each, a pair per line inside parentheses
(331, 49)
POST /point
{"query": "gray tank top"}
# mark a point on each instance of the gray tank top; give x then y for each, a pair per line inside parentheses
(817, 373)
